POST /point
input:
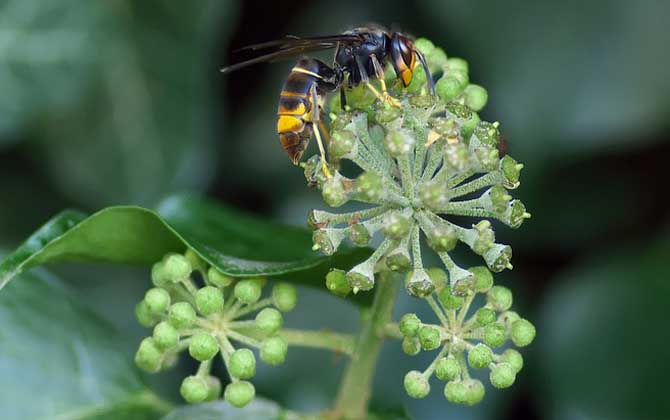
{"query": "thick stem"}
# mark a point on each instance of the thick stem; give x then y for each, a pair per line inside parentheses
(354, 394)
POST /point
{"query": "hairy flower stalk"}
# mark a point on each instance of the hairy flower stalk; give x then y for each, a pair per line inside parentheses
(414, 170)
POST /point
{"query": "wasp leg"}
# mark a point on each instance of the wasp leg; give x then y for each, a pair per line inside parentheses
(379, 72)
(316, 122)
(365, 80)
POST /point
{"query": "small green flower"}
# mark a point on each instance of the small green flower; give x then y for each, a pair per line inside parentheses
(182, 315)
(336, 282)
(411, 346)
(176, 268)
(429, 337)
(284, 296)
(416, 385)
(149, 356)
(485, 316)
(242, 364)
(209, 300)
(194, 389)
(409, 325)
(273, 350)
(247, 291)
(448, 369)
(502, 375)
(475, 97)
(240, 393)
(157, 300)
(269, 320)
(219, 279)
(523, 332)
(499, 298)
(165, 335)
(483, 278)
(144, 315)
(203, 347)
(514, 359)
(480, 356)
(495, 335)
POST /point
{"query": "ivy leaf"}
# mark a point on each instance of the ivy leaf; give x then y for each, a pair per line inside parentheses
(58, 359)
(234, 243)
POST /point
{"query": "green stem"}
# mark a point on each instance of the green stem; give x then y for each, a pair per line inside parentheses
(492, 178)
(354, 393)
(342, 343)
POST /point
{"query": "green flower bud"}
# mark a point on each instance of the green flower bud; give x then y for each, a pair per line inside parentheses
(194, 389)
(386, 115)
(450, 86)
(396, 225)
(176, 268)
(209, 300)
(358, 234)
(425, 46)
(442, 238)
(269, 320)
(409, 325)
(240, 393)
(483, 278)
(429, 337)
(336, 282)
(486, 157)
(149, 357)
(203, 347)
(458, 111)
(468, 126)
(508, 318)
(411, 346)
(144, 315)
(398, 259)
(455, 392)
(438, 276)
(480, 356)
(475, 97)
(242, 364)
(327, 240)
(502, 375)
(157, 300)
(158, 275)
(434, 194)
(247, 291)
(499, 198)
(523, 332)
(487, 133)
(485, 316)
(498, 257)
(181, 315)
(284, 296)
(165, 335)
(416, 385)
(516, 213)
(213, 388)
(218, 279)
(369, 187)
(343, 144)
(273, 350)
(360, 278)
(514, 359)
(462, 281)
(334, 192)
(474, 392)
(399, 142)
(495, 334)
(437, 58)
(196, 262)
(456, 63)
(447, 368)
(170, 360)
(483, 237)
(510, 170)
(457, 156)
(499, 298)
(449, 300)
(418, 283)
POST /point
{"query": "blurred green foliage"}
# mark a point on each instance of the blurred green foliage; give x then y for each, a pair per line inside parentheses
(121, 102)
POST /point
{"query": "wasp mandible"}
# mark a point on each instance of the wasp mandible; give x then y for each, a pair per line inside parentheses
(361, 52)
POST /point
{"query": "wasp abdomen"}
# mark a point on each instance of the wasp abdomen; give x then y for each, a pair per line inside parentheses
(294, 123)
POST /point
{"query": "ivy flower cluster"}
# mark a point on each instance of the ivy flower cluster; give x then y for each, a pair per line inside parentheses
(456, 335)
(410, 171)
(196, 308)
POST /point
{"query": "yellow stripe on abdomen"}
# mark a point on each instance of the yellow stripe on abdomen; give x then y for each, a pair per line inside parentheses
(287, 123)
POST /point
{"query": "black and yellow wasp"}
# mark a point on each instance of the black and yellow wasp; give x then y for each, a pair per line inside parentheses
(361, 52)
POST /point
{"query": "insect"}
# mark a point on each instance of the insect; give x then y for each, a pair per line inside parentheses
(361, 53)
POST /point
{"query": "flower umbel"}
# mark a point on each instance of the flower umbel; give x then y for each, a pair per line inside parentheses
(417, 171)
(209, 320)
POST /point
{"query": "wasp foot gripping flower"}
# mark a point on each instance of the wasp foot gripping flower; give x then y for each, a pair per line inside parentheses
(211, 319)
(420, 169)
(466, 340)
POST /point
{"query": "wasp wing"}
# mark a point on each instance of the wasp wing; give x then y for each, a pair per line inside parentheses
(290, 47)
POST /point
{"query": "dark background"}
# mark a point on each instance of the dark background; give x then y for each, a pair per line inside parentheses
(121, 102)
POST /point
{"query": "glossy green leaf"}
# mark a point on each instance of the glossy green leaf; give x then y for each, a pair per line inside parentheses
(59, 360)
(603, 338)
(236, 244)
